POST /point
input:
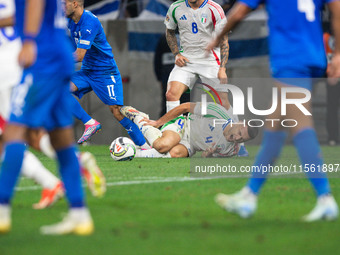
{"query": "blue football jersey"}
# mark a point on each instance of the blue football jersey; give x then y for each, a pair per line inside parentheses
(54, 50)
(295, 32)
(89, 34)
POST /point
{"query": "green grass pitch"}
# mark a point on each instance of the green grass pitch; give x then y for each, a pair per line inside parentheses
(153, 207)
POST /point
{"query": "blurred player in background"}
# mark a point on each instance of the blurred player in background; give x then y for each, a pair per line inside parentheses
(42, 99)
(296, 54)
(197, 21)
(10, 74)
(99, 71)
(182, 137)
(32, 168)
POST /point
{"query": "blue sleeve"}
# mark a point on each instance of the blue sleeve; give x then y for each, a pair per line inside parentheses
(88, 33)
(253, 4)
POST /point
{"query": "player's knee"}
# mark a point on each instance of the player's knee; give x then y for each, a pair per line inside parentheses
(176, 153)
(172, 95)
(161, 146)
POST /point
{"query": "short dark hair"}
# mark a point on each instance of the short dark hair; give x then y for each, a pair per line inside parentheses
(253, 131)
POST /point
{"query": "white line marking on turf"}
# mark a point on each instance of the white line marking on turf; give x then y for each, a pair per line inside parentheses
(155, 179)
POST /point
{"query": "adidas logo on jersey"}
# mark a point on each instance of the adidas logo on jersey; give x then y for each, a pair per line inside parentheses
(183, 17)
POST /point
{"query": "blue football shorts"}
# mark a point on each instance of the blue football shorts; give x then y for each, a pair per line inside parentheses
(298, 76)
(42, 100)
(107, 86)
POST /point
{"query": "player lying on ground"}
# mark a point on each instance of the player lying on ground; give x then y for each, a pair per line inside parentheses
(215, 133)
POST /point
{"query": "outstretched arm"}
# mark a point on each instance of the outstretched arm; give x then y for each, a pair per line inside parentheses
(174, 113)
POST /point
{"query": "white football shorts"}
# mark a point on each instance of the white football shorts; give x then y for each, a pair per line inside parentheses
(191, 73)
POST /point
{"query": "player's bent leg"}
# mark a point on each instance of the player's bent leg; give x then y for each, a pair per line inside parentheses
(179, 151)
(174, 93)
(167, 141)
(132, 129)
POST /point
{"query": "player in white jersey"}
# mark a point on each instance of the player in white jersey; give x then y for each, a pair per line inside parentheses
(197, 22)
(216, 133)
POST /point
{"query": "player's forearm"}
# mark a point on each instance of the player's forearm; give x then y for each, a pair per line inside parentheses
(6, 22)
(224, 49)
(33, 17)
(174, 113)
(236, 14)
(172, 41)
(79, 55)
(335, 9)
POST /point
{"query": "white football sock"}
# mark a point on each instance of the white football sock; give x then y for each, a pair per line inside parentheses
(171, 105)
(90, 122)
(152, 153)
(46, 146)
(150, 133)
(34, 169)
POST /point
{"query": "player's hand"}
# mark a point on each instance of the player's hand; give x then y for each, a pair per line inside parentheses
(180, 60)
(153, 123)
(28, 53)
(208, 152)
(333, 71)
(222, 75)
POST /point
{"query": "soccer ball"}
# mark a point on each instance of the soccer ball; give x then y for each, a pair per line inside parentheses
(122, 148)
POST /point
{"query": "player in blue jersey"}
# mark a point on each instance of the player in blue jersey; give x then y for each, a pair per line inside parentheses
(42, 99)
(296, 56)
(99, 71)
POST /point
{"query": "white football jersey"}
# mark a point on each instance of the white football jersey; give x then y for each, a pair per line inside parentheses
(206, 130)
(10, 45)
(196, 29)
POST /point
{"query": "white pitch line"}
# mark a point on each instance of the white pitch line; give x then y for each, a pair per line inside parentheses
(159, 180)
(122, 183)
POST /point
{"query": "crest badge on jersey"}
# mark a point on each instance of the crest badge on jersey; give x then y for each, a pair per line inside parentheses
(167, 18)
(204, 18)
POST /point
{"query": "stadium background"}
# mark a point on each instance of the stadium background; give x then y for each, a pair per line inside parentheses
(134, 39)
